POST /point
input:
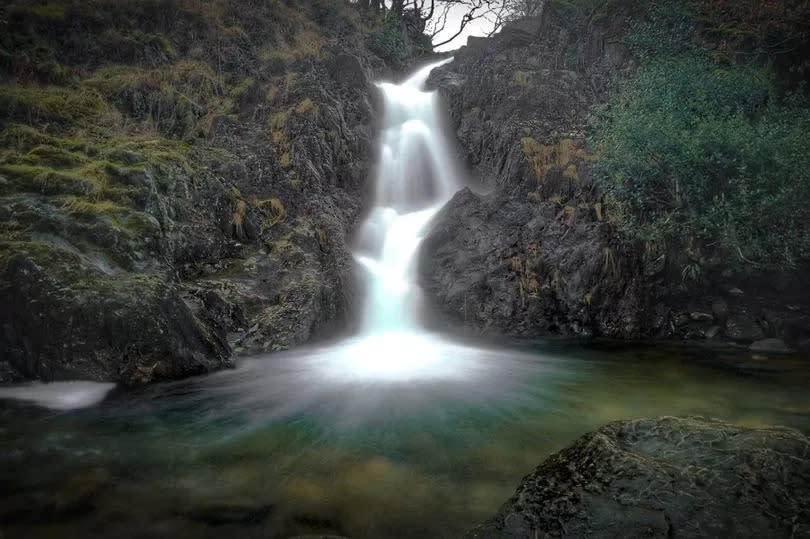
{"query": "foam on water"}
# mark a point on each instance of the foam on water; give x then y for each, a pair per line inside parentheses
(59, 395)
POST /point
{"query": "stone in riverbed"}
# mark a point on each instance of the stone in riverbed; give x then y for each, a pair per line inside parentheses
(712, 332)
(665, 477)
(776, 346)
(701, 316)
(720, 309)
(741, 327)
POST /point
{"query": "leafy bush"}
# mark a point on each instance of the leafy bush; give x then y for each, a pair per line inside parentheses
(696, 153)
(390, 42)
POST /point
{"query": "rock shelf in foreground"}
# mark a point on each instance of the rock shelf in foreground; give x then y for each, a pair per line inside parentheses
(665, 477)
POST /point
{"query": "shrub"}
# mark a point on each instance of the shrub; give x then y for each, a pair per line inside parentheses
(697, 153)
(390, 42)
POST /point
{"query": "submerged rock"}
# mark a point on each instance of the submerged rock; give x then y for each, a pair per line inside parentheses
(665, 477)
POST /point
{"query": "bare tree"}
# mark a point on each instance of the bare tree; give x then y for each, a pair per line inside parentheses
(435, 17)
(517, 9)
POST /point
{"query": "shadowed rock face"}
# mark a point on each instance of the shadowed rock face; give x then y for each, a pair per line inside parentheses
(506, 266)
(665, 477)
(534, 256)
(191, 199)
(539, 254)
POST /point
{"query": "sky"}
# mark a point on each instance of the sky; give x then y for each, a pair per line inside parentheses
(478, 27)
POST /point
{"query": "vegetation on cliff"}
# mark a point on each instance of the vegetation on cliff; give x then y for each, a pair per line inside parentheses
(705, 150)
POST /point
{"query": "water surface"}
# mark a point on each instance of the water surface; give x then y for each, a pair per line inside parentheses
(423, 438)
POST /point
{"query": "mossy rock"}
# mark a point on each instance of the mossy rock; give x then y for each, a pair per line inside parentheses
(50, 303)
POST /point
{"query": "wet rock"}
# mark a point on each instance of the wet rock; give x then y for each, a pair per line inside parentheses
(712, 332)
(682, 319)
(665, 477)
(535, 256)
(720, 309)
(502, 265)
(776, 346)
(347, 70)
(82, 324)
(741, 327)
(234, 214)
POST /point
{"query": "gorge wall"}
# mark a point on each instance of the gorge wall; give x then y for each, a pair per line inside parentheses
(177, 182)
(539, 253)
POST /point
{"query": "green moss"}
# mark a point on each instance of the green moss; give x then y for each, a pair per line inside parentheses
(242, 88)
(25, 137)
(166, 47)
(53, 156)
(87, 208)
(305, 106)
(54, 182)
(140, 223)
(50, 103)
(28, 178)
(50, 11)
(521, 79)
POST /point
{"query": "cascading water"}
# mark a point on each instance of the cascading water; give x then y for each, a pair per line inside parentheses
(416, 175)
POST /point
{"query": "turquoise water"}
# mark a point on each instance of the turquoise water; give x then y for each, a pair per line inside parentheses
(320, 441)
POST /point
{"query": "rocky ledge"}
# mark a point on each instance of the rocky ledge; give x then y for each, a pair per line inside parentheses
(665, 477)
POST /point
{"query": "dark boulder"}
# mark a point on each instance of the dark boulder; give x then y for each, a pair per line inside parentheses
(509, 266)
(665, 477)
(81, 323)
(741, 327)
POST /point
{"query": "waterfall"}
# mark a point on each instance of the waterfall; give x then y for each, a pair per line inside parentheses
(415, 177)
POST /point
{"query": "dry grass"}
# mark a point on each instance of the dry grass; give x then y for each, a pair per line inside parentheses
(237, 220)
(543, 157)
(308, 44)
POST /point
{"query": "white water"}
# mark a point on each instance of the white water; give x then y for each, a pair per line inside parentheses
(415, 177)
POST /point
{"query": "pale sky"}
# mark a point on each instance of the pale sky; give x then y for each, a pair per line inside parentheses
(479, 27)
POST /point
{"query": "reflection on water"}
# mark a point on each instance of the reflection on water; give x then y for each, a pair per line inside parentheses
(424, 445)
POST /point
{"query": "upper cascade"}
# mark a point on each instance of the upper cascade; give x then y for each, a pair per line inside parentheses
(415, 165)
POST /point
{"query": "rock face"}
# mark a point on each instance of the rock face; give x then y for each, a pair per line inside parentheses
(177, 183)
(539, 253)
(666, 477)
(510, 267)
(535, 255)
